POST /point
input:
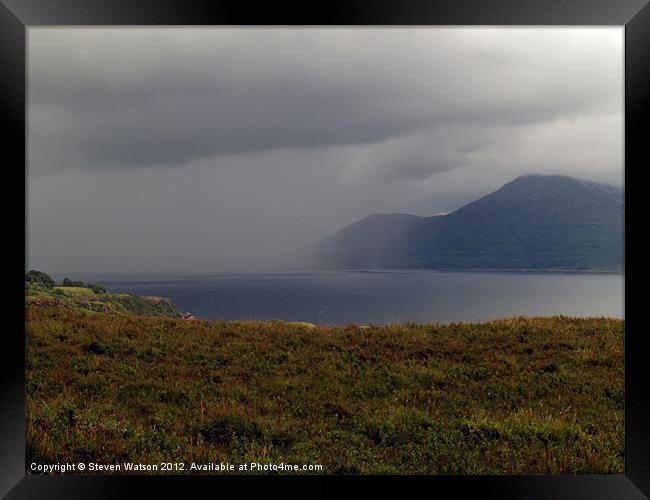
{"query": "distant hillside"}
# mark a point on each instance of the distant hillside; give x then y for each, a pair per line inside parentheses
(41, 290)
(534, 222)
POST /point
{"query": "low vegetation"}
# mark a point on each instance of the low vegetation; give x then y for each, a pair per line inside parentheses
(94, 287)
(522, 396)
(41, 290)
(39, 278)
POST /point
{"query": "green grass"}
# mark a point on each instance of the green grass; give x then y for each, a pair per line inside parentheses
(521, 396)
(73, 291)
(85, 299)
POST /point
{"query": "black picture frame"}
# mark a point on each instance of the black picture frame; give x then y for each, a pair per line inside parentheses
(17, 15)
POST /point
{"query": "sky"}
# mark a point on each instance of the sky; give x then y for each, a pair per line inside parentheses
(209, 149)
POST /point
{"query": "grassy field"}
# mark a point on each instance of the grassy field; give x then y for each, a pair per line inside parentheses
(516, 396)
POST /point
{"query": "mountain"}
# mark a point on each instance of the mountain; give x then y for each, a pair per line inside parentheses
(534, 222)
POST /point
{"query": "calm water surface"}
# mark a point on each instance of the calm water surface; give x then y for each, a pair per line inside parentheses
(378, 297)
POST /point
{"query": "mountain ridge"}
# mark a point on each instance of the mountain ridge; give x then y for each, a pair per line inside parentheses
(532, 222)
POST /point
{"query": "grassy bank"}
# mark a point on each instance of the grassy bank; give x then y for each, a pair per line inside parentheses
(514, 396)
(85, 299)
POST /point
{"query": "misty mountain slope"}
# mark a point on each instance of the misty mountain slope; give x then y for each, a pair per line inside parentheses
(379, 240)
(533, 222)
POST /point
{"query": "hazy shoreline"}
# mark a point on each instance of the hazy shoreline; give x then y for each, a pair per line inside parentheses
(117, 276)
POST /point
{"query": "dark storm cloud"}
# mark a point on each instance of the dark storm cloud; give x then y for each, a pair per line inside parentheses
(200, 149)
(130, 97)
(175, 125)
